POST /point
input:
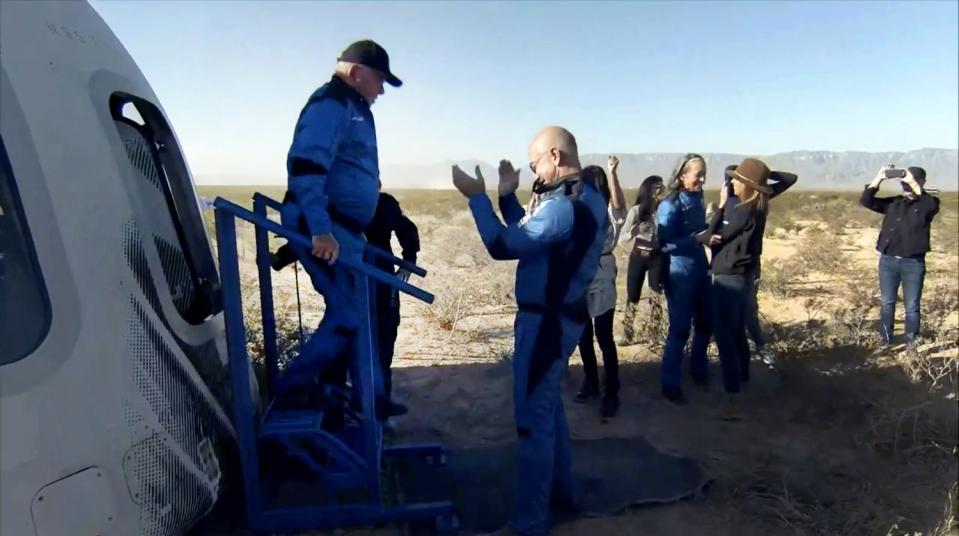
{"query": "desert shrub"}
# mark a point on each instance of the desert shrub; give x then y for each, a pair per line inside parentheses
(654, 323)
(798, 507)
(792, 339)
(453, 302)
(949, 525)
(935, 362)
(458, 298)
(937, 369)
(792, 226)
(288, 330)
(503, 352)
(939, 309)
(853, 312)
(819, 255)
(780, 276)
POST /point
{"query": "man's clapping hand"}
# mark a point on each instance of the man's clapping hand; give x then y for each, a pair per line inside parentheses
(468, 186)
(508, 178)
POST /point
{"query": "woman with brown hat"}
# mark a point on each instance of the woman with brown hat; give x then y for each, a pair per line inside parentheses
(736, 237)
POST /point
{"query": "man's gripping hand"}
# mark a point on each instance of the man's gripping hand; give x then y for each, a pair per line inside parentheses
(326, 247)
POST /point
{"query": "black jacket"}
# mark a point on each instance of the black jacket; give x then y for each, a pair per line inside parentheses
(742, 239)
(741, 227)
(389, 219)
(905, 226)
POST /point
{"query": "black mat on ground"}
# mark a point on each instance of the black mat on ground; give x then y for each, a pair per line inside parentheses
(609, 474)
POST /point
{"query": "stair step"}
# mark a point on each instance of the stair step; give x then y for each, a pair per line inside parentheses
(281, 422)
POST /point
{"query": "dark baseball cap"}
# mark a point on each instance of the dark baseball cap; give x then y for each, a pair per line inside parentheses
(367, 52)
(919, 174)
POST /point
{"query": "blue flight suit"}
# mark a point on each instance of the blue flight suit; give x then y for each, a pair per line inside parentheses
(680, 216)
(558, 246)
(333, 171)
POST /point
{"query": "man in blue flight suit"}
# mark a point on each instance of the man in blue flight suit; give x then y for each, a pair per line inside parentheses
(332, 191)
(388, 220)
(557, 243)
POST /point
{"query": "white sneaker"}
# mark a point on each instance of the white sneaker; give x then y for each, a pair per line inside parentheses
(767, 356)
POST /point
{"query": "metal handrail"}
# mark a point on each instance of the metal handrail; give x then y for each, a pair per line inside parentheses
(385, 255)
(303, 241)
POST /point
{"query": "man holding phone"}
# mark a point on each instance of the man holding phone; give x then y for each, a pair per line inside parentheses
(902, 245)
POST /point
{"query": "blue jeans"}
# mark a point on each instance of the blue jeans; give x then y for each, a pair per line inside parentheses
(687, 297)
(753, 327)
(545, 456)
(910, 271)
(730, 309)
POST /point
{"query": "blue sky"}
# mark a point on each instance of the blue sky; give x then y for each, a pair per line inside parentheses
(482, 77)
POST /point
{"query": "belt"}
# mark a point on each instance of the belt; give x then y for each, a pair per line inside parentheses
(336, 217)
(345, 221)
(575, 310)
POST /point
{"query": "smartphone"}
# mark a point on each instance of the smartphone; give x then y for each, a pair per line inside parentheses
(895, 173)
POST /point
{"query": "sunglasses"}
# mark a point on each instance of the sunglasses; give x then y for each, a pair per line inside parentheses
(532, 165)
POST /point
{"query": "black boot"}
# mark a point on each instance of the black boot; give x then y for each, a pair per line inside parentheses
(383, 407)
(283, 257)
(675, 395)
(587, 392)
(609, 407)
(701, 381)
(386, 408)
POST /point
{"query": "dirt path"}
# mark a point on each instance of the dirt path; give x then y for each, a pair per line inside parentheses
(844, 444)
(819, 454)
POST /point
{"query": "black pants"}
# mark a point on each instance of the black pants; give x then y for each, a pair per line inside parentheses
(641, 264)
(730, 296)
(387, 314)
(604, 335)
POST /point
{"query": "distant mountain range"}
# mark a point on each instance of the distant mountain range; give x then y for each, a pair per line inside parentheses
(821, 170)
(816, 169)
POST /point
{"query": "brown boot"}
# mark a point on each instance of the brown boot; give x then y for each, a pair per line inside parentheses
(730, 408)
(629, 329)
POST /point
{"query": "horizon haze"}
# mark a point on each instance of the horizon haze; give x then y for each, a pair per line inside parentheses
(480, 78)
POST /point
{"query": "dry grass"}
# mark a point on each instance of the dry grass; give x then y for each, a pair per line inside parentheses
(826, 305)
(653, 323)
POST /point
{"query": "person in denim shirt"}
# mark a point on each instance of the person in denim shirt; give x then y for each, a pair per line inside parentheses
(681, 219)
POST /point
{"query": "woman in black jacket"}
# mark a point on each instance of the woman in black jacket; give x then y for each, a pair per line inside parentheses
(753, 328)
(736, 235)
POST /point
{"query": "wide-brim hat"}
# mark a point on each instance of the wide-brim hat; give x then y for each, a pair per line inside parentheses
(753, 172)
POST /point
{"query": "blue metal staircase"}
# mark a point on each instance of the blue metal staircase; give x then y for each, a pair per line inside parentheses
(342, 465)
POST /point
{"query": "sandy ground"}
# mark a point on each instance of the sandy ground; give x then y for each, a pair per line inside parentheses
(840, 444)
